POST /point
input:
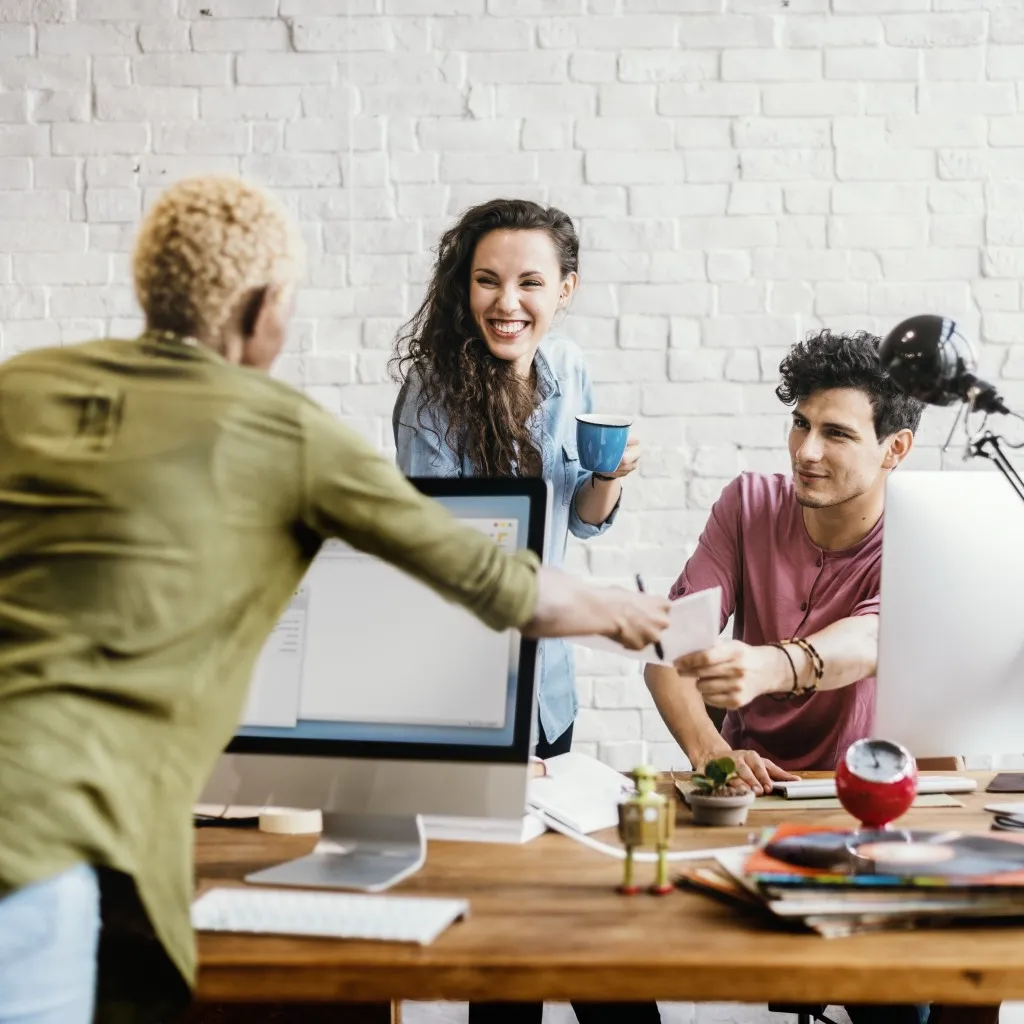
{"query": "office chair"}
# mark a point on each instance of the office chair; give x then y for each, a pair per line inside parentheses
(806, 1013)
(941, 764)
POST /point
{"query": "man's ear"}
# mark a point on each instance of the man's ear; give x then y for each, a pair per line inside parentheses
(251, 309)
(898, 448)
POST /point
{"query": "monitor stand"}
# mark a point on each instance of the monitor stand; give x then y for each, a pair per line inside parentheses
(356, 851)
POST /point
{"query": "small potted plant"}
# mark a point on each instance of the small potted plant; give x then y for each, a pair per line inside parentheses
(718, 797)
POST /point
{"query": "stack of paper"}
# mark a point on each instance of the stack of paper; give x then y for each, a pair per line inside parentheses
(483, 830)
(577, 791)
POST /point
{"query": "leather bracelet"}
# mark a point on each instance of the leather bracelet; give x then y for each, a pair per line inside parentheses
(601, 476)
(817, 664)
(792, 666)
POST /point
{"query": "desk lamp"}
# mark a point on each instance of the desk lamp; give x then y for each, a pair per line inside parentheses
(931, 361)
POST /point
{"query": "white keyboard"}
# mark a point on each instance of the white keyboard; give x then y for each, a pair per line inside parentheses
(331, 915)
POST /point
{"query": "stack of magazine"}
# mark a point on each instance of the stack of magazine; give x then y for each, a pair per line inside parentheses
(840, 882)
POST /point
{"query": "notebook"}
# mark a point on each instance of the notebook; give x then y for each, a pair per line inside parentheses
(580, 792)
(807, 788)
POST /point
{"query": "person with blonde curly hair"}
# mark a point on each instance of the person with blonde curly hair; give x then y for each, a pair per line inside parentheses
(210, 252)
(162, 499)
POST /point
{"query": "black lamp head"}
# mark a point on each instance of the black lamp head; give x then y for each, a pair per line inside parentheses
(929, 359)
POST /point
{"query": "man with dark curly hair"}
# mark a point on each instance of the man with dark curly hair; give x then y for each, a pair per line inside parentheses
(798, 559)
(799, 562)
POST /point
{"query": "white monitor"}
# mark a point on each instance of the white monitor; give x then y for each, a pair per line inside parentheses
(951, 643)
(377, 701)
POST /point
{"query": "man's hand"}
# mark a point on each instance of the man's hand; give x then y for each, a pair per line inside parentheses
(733, 673)
(754, 770)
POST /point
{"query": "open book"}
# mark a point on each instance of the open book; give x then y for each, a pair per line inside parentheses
(580, 792)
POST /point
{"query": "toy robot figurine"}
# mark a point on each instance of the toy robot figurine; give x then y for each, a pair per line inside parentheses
(646, 819)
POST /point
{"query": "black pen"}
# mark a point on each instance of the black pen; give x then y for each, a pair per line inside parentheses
(658, 649)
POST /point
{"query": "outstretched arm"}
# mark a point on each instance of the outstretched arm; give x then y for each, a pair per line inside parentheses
(732, 674)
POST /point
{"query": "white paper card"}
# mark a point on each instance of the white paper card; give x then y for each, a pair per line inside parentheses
(694, 625)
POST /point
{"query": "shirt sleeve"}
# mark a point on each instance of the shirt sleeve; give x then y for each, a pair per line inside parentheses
(353, 493)
(578, 527)
(717, 562)
(420, 445)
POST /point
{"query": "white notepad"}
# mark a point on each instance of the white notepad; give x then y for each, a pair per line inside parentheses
(1016, 807)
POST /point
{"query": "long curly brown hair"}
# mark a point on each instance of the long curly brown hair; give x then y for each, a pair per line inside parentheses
(485, 404)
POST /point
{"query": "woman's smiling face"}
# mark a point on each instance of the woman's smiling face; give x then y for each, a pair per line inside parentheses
(515, 289)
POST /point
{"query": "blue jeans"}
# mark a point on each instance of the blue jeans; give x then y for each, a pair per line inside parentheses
(49, 932)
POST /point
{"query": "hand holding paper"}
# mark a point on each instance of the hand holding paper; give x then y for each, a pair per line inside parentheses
(694, 625)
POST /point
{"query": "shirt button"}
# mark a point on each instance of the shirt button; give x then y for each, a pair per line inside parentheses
(803, 607)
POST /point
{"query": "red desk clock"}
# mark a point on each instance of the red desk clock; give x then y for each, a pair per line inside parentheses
(876, 781)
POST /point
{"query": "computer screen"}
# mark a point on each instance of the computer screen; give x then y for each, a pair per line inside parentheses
(365, 655)
(951, 628)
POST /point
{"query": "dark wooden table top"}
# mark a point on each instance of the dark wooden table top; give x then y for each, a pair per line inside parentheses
(547, 923)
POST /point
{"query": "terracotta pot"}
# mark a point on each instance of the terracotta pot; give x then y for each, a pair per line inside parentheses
(719, 810)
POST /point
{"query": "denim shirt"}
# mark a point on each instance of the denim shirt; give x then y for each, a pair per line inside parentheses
(564, 390)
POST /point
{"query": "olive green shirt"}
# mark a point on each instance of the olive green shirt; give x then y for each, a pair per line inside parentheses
(158, 508)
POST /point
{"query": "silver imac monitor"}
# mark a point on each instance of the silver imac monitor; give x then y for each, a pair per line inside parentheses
(377, 701)
(951, 641)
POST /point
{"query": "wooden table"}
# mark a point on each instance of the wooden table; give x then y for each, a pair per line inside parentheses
(547, 924)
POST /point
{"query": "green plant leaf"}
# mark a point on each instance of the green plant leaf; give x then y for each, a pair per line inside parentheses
(718, 774)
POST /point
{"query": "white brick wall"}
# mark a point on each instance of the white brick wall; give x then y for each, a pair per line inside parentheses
(742, 171)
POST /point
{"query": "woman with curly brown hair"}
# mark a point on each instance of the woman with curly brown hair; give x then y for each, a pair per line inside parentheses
(490, 388)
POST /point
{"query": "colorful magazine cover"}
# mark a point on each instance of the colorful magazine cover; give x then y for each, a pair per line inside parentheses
(808, 856)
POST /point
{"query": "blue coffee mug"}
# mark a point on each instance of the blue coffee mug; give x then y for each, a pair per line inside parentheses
(601, 441)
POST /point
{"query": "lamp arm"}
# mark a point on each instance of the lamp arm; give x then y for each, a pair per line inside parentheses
(987, 447)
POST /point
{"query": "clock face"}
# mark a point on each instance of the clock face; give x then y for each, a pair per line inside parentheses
(878, 760)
